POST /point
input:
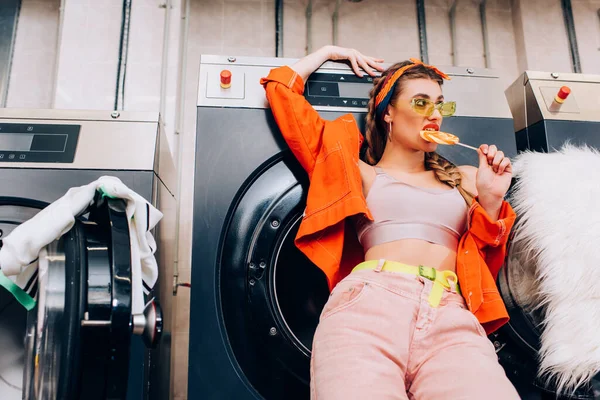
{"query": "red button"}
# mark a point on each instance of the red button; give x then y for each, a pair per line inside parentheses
(563, 92)
(225, 79)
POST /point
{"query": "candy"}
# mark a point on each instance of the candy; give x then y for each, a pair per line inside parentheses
(439, 137)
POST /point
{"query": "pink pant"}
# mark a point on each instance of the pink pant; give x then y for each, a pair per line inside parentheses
(378, 338)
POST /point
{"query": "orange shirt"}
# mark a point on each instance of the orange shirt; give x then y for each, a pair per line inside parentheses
(329, 152)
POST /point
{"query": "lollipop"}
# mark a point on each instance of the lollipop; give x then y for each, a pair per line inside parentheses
(443, 138)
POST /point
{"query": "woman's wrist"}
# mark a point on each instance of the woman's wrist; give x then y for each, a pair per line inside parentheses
(310, 63)
(491, 205)
(325, 52)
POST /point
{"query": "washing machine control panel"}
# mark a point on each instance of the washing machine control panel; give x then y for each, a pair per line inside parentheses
(43, 143)
(338, 90)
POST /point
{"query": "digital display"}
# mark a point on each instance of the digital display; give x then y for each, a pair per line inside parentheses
(355, 90)
(15, 141)
(338, 90)
(42, 143)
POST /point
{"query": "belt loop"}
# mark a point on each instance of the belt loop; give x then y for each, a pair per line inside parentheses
(380, 265)
(452, 280)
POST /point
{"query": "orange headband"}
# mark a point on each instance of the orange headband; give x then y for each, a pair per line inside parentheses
(383, 97)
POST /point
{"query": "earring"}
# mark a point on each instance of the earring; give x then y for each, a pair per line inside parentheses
(390, 131)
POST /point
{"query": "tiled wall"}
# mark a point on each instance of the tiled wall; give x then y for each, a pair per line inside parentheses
(523, 34)
(587, 26)
(34, 56)
(87, 54)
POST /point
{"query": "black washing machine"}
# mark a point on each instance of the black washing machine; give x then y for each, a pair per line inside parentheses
(256, 299)
(81, 339)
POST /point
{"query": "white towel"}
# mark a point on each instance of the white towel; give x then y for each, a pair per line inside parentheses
(20, 249)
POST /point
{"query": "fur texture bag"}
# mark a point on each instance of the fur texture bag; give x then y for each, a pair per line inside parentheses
(555, 252)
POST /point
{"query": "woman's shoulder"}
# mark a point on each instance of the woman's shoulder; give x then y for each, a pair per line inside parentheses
(469, 174)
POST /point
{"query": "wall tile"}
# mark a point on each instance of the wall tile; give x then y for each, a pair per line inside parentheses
(34, 55)
(501, 37)
(438, 31)
(502, 5)
(294, 27)
(322, 31)
(438, 3)
(267, 37)
(585, 14)
(102, 34)
(179, 362)
(142, 87)
(245, 51)
(519, 31)
(182, 318)
(208, 27)
(38, 25)
(27, 70)
(241, 29)
(440, 59)
(146, 33)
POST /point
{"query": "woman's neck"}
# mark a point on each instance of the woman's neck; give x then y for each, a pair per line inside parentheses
(402, 159)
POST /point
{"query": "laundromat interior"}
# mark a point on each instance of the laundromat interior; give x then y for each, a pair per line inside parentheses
(165, 95)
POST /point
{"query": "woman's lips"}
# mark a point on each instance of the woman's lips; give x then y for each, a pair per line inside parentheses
(431, 127)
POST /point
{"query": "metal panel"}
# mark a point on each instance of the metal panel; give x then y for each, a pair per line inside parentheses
(478, 92)
(107, 140)
(9, 11)
(49, 185)
(530, 97)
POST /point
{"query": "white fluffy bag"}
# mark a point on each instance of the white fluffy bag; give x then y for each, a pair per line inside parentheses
(556, 253)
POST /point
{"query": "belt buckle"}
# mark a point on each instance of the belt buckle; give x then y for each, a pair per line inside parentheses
(427, 272)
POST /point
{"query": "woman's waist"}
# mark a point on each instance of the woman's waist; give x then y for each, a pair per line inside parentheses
(437, 287)
(414, 252)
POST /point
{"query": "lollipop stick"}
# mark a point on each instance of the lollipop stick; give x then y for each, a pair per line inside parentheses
(467, 146)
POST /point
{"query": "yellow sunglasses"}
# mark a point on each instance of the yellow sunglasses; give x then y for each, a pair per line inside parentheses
(426, 107)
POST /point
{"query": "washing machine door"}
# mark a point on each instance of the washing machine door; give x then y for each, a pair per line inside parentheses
(272, 295)
(77, 337)
(13, 316)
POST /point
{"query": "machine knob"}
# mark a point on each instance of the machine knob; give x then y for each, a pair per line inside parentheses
(225, 79)
(150, 324)
(562, 94)
(154, 324)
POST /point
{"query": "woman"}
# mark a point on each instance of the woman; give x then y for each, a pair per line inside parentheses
(396, 325)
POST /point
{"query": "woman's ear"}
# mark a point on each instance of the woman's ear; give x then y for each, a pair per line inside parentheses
(389, 114)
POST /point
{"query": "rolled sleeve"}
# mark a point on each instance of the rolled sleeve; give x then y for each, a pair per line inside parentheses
(492, 233)
(287, 77)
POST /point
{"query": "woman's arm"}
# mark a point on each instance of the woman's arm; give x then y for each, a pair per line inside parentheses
(490, 217)
(301, 126)
(309, 64)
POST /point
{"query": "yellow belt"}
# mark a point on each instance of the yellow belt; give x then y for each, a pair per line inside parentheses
(441, 279)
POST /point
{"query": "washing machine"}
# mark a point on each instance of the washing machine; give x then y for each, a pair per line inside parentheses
(543, 124)
(256, 299)
(81, 340)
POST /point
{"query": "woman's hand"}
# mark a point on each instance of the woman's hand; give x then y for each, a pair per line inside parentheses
(356, 58)
(309, 64)
(493, 178)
